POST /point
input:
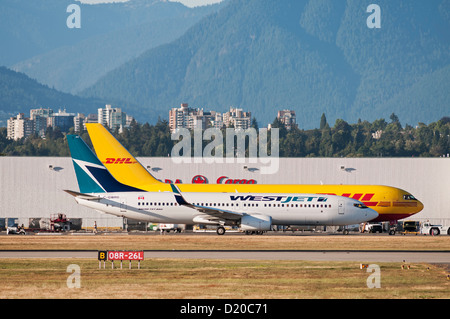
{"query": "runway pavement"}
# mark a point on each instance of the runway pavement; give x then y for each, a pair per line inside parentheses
(317, 255)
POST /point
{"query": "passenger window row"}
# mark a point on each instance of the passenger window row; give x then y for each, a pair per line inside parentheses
(237, 205)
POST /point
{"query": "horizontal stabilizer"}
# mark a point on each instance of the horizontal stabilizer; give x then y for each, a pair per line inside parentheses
(81, 195)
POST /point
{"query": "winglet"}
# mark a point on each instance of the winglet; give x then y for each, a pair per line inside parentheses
(178, 197)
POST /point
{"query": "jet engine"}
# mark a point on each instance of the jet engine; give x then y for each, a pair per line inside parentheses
(256, 223)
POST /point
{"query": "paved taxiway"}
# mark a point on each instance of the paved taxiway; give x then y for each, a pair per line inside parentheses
(322, 255)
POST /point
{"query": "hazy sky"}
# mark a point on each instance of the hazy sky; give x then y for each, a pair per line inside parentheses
(187, 3)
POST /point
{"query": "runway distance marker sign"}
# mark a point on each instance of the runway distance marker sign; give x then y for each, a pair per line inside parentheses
(130, 255)
(125, 255)
(102, 255)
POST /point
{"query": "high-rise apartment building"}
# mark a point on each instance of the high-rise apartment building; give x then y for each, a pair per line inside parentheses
(19, 127)
(41, 117)
(186, 117)
(113, 118)
(62, 120)
(288, 118)
(237, 118)
(38, 122)
(78, 122)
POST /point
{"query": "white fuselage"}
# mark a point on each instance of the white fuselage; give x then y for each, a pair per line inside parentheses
(289, 209)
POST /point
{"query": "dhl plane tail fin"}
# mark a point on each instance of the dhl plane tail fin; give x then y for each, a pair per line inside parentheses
(119, 162)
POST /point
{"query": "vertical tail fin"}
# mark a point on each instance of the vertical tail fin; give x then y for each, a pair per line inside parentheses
(92, 176)
(122, 165)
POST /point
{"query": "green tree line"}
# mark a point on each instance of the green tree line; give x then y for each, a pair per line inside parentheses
(364, 139)
(380, 138)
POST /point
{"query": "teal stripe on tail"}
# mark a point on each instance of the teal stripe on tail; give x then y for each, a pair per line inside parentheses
(92, 176)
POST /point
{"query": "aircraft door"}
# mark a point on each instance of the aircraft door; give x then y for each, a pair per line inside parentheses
(341, 208)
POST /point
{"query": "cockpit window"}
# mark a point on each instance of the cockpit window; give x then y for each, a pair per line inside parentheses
(360, 205)
(409, 197)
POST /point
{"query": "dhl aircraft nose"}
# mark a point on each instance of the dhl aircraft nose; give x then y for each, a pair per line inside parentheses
(420, 206)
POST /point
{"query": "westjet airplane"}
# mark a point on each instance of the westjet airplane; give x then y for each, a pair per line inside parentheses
(99, 190)
(390, 203)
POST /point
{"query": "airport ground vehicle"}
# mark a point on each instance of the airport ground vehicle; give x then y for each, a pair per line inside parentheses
(16, 230)
(59, 223)
(169, 227)
(434, 230)
(373, 228)
(405, 227)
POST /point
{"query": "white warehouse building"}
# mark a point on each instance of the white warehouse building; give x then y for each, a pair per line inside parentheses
(32, 187)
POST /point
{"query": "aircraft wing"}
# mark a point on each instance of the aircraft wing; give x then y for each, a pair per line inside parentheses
(211, 211)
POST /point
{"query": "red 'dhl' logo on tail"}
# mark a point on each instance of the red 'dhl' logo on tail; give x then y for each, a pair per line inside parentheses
(119, 161)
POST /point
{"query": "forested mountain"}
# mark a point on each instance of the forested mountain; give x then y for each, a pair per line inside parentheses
(311, 56)
(19, 94)
(37, 41)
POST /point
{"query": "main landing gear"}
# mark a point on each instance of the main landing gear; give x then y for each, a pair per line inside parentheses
(220, 230)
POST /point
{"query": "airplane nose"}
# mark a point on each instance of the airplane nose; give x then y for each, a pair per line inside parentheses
(371, 214)
(420, 206)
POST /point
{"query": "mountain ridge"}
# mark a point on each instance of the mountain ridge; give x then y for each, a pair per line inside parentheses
(264, 56)
(21, 93)
(110, 34)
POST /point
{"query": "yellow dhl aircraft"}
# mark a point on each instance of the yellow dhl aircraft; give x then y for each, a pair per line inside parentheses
(390, 203)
